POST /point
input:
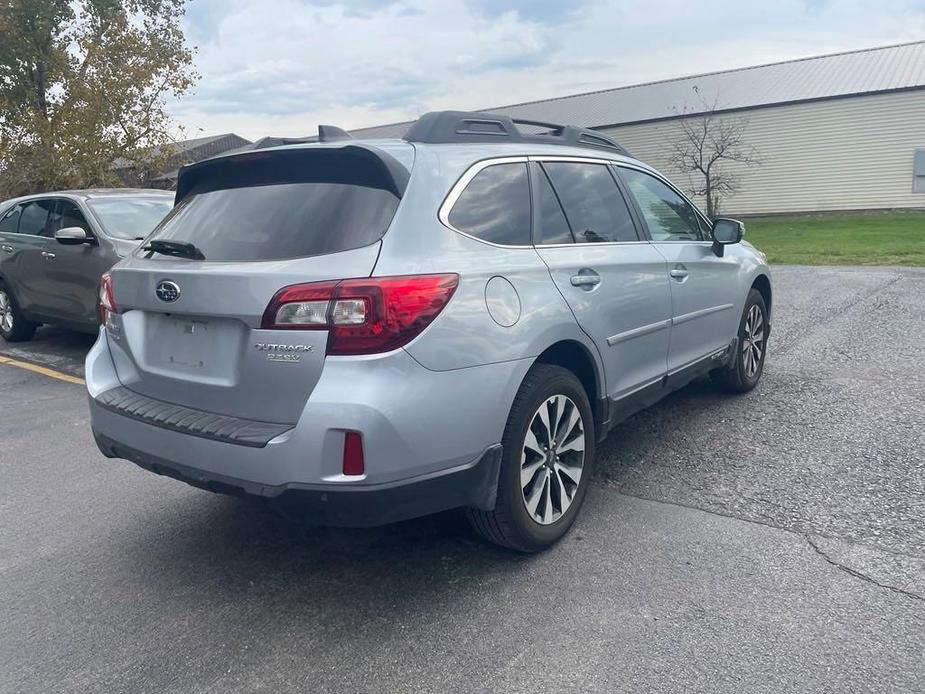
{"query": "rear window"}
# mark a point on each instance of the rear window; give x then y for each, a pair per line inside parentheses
(289, 204)
(276, 222)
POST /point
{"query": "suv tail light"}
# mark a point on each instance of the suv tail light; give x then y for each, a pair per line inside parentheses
(364, 316)
(107, 302)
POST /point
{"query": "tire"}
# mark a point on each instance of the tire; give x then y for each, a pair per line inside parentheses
(512, 523)
(747, 365)
(13, 327)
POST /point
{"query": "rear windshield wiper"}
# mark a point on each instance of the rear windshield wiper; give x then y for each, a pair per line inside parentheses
(179, 249)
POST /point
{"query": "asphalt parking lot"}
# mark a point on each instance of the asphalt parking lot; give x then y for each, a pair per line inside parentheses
(772, 542)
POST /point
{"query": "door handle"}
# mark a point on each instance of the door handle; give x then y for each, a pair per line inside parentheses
(679, 272)
(47, 255)
(585, 281)
(6, 248)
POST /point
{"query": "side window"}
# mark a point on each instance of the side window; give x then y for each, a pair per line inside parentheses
(10, 221)
(551, 227)
(68, 214)
(668, 215)
(34, 219)
(495, 206)
(593, 204)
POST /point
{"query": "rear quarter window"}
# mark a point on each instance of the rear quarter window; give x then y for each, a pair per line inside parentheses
(495, 206)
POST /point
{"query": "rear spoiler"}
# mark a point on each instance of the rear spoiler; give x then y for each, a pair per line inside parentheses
(357, 164)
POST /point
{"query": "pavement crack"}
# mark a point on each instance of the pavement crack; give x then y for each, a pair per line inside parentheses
(711, 512)
(617, 487)
(857, 574)
(840, 311)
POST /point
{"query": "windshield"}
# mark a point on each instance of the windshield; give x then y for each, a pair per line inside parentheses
(130, 218)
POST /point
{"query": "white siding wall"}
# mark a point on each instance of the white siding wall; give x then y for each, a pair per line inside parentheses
(844, 154)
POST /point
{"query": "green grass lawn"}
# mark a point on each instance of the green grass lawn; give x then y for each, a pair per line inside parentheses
(859, 238)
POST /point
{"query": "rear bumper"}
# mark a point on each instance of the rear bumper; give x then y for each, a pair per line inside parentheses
(427, 431)
(472, 485)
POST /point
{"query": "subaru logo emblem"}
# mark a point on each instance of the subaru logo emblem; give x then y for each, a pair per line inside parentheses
(167, 291)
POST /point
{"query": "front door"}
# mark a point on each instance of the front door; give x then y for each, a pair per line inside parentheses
(73, 272)
(615, 283)
(703, 313)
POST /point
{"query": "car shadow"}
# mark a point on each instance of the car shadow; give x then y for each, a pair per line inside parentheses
(650, 435)
(238, 532)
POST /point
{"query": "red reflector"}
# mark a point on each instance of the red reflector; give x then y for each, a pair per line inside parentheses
(353, 453)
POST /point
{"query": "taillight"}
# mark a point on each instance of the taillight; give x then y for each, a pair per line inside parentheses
(363, 316)
(107, 303)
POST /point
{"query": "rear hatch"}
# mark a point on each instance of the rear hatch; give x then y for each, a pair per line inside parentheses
(188, 324)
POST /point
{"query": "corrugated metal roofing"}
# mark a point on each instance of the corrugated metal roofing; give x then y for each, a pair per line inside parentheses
(842, 74)
(196, 149)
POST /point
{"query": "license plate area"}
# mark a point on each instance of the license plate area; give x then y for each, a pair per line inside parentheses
(193, 347)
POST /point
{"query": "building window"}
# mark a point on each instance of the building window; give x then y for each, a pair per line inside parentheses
(918, 171)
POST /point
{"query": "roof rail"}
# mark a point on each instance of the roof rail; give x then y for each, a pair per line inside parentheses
(465, 126)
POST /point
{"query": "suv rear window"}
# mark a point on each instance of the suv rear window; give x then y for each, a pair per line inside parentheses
(274, 207)
(274, 222)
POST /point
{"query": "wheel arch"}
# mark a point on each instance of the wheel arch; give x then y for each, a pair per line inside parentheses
(577, 358)
(762, 283)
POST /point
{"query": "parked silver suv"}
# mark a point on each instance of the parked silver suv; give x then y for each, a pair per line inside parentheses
(367, 331)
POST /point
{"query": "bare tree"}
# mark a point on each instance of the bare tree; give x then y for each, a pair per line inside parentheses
(704, 144)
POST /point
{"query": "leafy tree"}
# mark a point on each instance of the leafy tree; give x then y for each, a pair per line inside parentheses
(704, 145)
(82, 83)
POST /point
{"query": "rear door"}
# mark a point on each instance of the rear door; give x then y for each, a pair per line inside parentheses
(189, 331)
(702, 285)
(615, 282)
(23, 236)
(72, 274)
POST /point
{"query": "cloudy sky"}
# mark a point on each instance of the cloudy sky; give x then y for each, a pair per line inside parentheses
(279, 67)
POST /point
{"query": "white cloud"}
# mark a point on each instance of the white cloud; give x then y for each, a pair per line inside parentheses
(282, 66)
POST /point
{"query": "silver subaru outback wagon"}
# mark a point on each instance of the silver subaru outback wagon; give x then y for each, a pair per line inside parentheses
(361, 332)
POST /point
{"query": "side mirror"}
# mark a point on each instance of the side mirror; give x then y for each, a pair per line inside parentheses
(73, 236)
(725, 232)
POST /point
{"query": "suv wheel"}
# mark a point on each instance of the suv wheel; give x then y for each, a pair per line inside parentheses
(745, 370)
(546, 466)
(13, 327)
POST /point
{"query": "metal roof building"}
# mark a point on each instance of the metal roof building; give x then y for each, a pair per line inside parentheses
(177, 154)
(833, 132)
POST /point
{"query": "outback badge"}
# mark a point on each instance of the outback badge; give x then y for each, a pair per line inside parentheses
(283, 353)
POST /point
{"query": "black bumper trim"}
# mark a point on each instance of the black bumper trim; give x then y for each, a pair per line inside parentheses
(473, 485)
(187, 420)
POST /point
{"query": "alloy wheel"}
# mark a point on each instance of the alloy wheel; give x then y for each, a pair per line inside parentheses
(753, 341)
(552, 459)
(6, 312)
